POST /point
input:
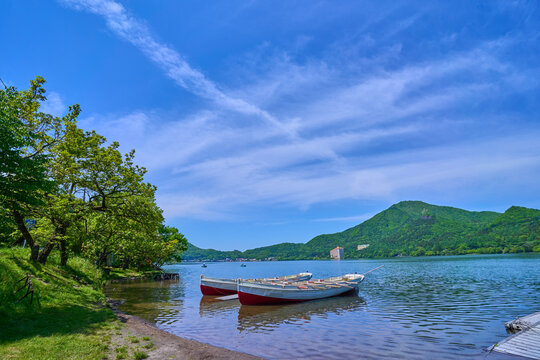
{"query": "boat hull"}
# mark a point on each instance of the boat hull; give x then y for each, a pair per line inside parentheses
(211, 286)
(214, 291)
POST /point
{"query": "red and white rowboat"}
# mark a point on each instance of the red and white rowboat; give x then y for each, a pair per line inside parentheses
(215, 286)
(259, 293)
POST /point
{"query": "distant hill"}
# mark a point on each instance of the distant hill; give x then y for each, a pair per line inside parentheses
(409, 228)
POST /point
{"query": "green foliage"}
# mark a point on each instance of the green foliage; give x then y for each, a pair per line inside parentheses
(23, 175)
(83, 194)
(171, 244)
(411, 228)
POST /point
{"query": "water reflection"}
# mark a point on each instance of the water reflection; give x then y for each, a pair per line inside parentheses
(139, 297)
(267, 317)
(209, 306)
(413, 308)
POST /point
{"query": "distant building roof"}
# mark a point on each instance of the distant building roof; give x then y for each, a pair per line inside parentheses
(338, 247)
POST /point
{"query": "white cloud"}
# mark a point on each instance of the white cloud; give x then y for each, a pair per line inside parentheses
(436, 169)
(354, 219)
(210, 173)
(53, 105)
(226, 165)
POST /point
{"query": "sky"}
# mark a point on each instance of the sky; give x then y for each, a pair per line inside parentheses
(263, 122)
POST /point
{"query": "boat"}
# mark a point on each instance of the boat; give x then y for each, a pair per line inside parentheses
(215, 286)
(261, 293)
(243, 265)
(203, 265)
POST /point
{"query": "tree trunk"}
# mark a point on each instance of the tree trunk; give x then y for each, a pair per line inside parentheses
(63, 252)
(102, 258)
(19, 220)
(61, 230)
(34, 252)
(44, 254)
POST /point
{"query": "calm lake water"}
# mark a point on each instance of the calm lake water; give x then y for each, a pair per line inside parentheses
(430, 307)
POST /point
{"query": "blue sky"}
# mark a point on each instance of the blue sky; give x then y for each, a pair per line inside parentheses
(263, 122)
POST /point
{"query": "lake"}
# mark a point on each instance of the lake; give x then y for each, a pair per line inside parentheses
(423, 307)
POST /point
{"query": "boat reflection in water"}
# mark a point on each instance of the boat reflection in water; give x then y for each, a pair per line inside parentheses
(266, 317)
(210, 307)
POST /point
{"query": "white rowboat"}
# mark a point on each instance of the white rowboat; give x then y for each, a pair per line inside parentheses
(259, 293)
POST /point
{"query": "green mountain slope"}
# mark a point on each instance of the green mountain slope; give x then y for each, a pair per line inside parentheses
(410, 228)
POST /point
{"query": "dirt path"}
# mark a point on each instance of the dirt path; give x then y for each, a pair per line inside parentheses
(138, 335)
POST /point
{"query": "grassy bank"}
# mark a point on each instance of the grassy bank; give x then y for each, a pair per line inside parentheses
(130, 274)
(67, 319)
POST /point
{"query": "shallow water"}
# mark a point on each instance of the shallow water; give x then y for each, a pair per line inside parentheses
(430, 307)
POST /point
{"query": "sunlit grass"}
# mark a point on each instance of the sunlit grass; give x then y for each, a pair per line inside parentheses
(67, 318)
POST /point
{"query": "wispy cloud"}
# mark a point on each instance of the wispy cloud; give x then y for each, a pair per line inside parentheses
(212, 174)
(331, 129)
(355, 219)
(129, 28)
(53, 105)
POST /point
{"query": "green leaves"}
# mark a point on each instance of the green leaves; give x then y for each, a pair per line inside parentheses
(23, 177)
(85, 195)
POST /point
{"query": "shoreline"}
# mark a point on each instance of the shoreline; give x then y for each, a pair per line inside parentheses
(354, 259)
(170, 346)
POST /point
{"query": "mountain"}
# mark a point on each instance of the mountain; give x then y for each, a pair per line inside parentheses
(409, 228)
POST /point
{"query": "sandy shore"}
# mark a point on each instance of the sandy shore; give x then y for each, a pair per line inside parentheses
(169, 346)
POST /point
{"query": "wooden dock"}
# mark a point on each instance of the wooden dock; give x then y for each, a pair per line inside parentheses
(523, 323)
(526, 342)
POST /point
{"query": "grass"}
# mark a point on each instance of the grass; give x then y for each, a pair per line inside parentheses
(67, 319)
(122, 352)
(119, 273)
(139, 355)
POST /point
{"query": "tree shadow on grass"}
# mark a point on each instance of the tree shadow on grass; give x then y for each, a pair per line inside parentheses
(30, 267)
(56, 321)
(78, 275)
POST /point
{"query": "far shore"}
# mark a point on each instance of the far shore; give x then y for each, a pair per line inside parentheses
(199, 262)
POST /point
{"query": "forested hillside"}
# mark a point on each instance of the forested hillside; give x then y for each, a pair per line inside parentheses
(410, 228)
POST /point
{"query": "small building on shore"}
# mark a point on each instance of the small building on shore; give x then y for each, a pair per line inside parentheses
(362, 247)
(336, 253)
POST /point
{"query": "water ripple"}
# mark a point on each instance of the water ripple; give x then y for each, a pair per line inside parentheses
(413, 308)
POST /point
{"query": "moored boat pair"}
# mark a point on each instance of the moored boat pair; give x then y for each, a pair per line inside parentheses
(293, 288)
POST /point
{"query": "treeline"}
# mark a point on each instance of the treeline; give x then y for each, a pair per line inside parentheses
(66, 189)
(412, 228)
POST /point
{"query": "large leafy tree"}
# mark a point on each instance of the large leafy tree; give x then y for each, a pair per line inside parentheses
(83, 193)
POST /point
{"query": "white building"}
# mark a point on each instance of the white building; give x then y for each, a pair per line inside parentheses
(336, 253)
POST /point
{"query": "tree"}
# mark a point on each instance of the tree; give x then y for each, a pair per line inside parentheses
(23, 178)
(83, 193)
(174, 244)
